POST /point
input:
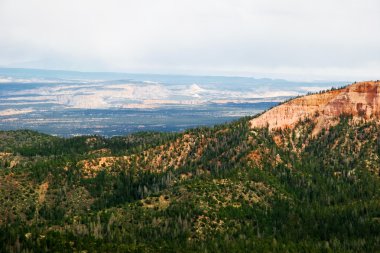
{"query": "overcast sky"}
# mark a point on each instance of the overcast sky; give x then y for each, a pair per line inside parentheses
(293, 39)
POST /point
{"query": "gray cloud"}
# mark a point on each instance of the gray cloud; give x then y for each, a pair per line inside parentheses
(296, 39)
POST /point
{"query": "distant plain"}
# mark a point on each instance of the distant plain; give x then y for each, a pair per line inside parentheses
(67, 103)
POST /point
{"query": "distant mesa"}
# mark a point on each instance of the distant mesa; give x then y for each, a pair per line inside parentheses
(361, 100)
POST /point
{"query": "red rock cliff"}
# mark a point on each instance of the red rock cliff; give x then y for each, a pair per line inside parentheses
(362, 100)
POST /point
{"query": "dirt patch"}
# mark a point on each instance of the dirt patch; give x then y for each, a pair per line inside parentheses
(255, 156)
(42, 192)
(278, 140)
(162, 202)
(92, 167)
(4, 155)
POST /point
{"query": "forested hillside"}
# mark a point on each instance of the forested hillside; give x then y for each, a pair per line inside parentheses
(227, 188)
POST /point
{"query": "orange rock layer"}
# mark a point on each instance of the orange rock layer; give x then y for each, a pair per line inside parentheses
(362, 100)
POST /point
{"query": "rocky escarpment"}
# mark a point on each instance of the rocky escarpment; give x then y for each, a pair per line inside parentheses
(361, 100)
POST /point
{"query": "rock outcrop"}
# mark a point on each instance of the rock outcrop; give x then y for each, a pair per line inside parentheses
(361, 100)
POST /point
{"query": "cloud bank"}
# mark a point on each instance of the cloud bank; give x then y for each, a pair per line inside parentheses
(294, 39)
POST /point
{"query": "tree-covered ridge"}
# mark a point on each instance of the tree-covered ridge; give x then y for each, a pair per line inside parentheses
(213, 189)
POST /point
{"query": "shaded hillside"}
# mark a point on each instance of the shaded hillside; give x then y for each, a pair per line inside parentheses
(227, 188)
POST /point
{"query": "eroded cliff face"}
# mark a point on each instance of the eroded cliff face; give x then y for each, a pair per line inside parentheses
(361, 100)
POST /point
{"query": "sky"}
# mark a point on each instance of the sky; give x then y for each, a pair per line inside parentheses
(290, 39)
